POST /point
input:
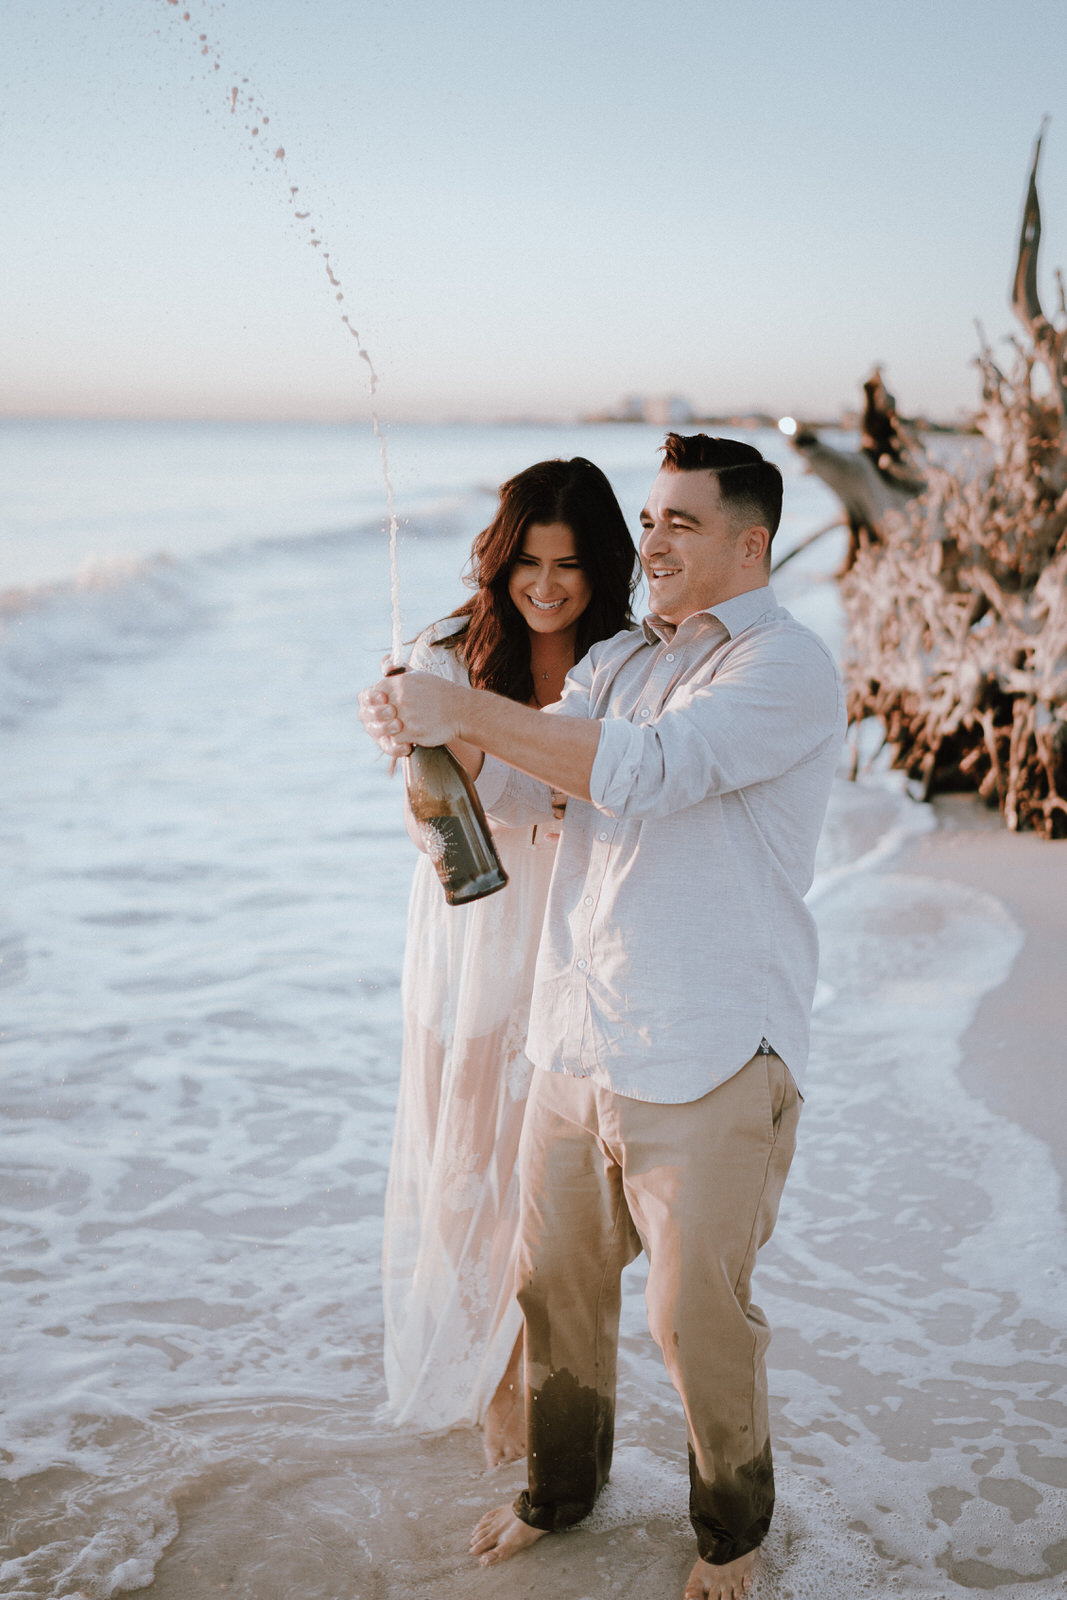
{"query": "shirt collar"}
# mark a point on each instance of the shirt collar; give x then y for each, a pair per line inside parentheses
(734, 615)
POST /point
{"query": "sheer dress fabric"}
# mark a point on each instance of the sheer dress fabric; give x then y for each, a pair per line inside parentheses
(451, 1211)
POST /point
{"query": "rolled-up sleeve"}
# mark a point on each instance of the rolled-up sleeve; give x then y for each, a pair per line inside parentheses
(773, 704)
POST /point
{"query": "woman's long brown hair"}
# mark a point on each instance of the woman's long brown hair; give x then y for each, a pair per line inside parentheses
(495, 645)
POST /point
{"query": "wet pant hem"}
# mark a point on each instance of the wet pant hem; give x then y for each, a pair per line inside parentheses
(550, 1518)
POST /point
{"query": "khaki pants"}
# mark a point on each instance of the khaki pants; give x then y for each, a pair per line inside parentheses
(697, 1187)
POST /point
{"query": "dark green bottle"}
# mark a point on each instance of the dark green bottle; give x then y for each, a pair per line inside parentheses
(455, 834)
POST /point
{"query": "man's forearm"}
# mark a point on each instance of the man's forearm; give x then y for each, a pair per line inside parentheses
(420, 708)
(557, 750)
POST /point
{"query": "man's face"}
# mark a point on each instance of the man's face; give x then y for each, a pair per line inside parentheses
(691, 555)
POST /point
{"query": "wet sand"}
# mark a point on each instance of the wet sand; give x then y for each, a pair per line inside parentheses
(1015, 1052)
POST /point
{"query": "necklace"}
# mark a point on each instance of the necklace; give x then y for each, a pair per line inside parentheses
(541, 676)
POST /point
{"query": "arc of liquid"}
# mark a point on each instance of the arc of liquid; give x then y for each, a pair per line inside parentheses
(260, 121)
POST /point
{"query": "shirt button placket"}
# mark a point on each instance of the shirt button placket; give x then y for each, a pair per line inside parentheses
(582, 962)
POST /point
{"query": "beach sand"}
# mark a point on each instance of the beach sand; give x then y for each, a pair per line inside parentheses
(1015, 1051)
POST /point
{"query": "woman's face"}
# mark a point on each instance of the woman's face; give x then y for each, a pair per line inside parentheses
(547, 583)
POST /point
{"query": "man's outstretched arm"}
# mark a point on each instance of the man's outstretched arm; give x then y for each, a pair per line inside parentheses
(418, 708)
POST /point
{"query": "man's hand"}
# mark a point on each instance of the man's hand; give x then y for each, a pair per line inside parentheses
(420, 708)
(411, 708)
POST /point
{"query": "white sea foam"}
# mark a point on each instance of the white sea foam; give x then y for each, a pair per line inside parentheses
(115, 610)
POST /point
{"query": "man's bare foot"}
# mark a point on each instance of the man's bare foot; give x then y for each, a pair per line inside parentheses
(504, 1435)
(731, 1582)
(501, 1534)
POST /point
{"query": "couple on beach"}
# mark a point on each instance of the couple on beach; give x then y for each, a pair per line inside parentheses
(604, 1058)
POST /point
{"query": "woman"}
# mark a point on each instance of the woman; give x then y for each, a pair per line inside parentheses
(553, 573)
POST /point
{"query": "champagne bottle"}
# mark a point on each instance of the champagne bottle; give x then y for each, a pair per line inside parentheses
(445, 804)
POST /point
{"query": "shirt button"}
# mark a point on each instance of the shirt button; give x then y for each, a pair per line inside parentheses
(645, 712)
(668, 658)
(589, 899)
(582, 965)
(601, 835)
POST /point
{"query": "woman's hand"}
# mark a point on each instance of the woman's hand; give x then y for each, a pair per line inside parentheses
(411, 708)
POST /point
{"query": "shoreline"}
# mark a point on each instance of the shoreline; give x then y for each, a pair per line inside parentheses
(1024, 1019)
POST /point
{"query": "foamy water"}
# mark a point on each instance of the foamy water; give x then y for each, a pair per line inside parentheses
(201, 931)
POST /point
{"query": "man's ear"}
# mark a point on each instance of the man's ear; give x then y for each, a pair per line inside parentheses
(755, 545)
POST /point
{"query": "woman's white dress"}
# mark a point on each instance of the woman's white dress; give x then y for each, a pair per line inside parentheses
(451, 1209)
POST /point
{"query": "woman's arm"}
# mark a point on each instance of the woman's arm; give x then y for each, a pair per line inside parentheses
(471, 757)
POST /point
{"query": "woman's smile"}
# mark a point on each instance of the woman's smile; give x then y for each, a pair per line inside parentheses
(547, 584)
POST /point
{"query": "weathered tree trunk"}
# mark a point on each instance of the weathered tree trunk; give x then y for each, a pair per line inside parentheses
(883, 476)
(865, 493)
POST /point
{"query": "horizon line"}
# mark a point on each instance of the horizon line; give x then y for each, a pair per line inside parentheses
(737, 416)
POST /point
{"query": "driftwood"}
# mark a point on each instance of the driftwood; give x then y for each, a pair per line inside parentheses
(883, 476)
(807, 542)
(956, 602)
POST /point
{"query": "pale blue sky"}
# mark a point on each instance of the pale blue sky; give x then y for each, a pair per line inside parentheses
(532, 209)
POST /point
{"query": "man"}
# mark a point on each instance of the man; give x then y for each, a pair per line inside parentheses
(674, 985)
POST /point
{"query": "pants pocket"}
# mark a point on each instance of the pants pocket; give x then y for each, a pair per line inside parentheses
(782, 1093)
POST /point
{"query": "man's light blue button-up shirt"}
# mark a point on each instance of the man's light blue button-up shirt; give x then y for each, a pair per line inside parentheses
(676, 936)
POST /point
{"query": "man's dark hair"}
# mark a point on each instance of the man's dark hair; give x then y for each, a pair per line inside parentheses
(750, 486)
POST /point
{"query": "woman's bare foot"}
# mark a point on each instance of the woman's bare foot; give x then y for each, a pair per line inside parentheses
(504, 1436)
(731, 1582)
(501, 1534)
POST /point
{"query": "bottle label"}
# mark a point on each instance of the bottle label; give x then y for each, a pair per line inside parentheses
(466, 870)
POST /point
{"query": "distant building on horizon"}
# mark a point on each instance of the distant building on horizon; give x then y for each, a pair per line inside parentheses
(661, 410)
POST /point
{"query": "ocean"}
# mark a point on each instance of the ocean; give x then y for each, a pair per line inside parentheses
(204, 889)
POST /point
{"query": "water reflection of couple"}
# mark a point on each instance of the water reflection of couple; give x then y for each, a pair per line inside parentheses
(674, 980)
